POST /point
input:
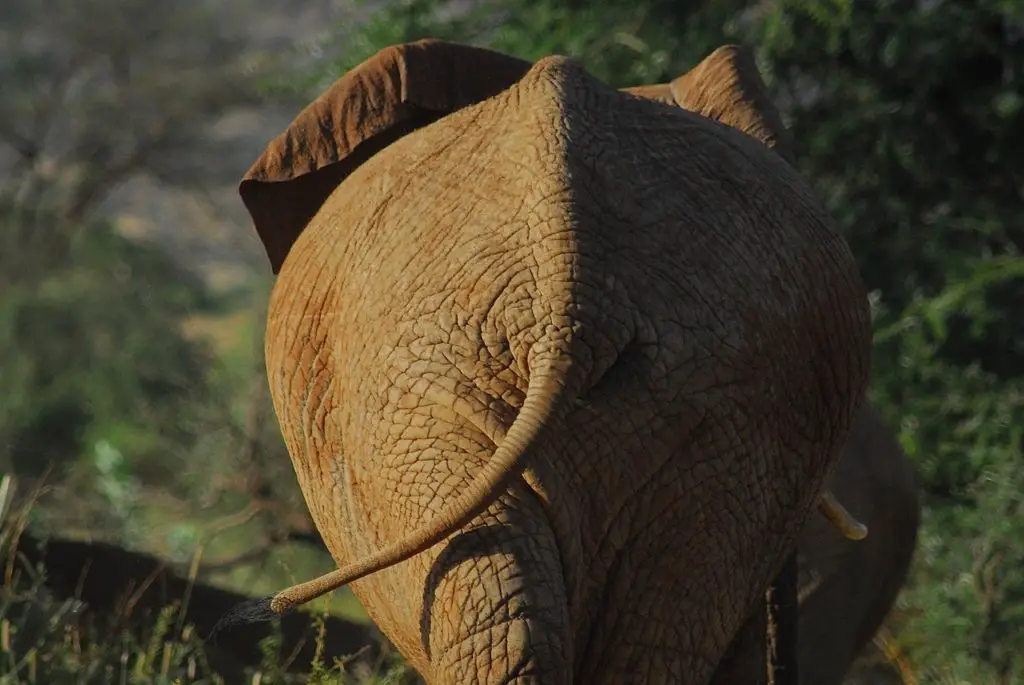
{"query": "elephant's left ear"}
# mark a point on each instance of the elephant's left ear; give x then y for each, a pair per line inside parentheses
(726, 86)
(394, 92)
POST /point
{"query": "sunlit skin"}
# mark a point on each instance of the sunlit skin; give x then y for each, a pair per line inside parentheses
(562, 374)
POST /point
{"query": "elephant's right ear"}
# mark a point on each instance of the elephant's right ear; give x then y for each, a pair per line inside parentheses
(726, 86)
(396, 91)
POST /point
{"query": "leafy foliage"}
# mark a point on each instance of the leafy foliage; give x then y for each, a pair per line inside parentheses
(904, 115)
(96, 366)
(624, 43)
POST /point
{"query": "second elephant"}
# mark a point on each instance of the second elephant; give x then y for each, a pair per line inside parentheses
(848, 587)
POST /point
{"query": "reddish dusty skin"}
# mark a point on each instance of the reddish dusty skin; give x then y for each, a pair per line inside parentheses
(664, 290)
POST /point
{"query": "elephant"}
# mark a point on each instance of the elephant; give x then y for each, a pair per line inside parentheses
(847, 588)
(562, 369)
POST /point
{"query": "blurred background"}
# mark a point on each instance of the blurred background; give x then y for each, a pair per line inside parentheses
(135, 422)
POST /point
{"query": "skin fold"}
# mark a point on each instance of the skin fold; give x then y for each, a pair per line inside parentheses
(562, 370)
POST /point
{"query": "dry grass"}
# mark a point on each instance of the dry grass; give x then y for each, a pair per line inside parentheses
(48, 641)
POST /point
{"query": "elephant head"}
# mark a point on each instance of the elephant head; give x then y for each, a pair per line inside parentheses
(561, 370)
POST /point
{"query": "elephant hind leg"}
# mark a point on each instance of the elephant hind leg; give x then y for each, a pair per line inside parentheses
(494, 604)
(744, 660)
(751, 658)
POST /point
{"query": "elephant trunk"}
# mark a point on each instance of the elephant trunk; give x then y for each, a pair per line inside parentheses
(550, 391)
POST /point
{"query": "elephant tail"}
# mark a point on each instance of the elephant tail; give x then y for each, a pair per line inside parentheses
(553, 386)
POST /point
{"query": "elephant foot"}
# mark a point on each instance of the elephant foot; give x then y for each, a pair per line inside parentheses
(839, 517)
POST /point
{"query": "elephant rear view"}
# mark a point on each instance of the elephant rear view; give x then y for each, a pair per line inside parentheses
(536, 345)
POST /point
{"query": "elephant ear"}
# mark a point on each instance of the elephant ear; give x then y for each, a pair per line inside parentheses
(662, 92)
(727, 87)
(394, 92)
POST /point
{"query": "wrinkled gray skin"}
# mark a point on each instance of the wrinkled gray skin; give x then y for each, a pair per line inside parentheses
(562, 373)
(849, 586)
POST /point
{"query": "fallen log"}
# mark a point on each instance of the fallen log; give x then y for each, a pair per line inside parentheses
(127, 590)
